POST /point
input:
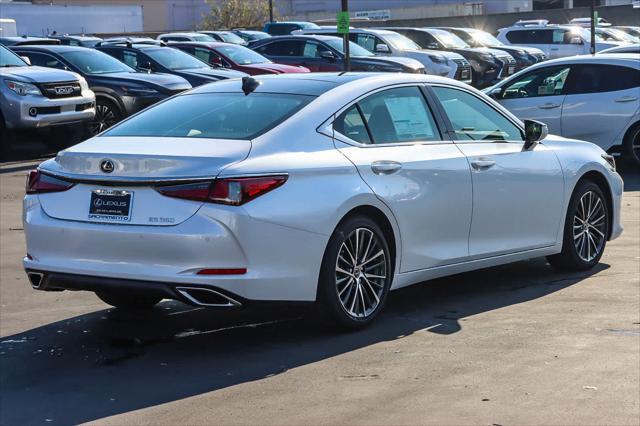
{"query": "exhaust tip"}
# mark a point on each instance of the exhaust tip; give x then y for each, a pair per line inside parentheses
(202, 296)
(35, 278)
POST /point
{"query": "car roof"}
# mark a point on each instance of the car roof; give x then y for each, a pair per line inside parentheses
(188, 34)
(74, 37)
(212, 44)
(298, 36)
(55, 48)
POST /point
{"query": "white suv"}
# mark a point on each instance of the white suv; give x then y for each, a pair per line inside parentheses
(556, 41)
(592, 98)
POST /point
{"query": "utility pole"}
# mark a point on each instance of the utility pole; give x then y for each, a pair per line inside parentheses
(345, 38)
(593, 27)
(270, 10)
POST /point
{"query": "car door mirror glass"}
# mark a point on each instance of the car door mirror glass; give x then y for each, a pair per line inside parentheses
(534, 132)
(382, 48)
(26, 59)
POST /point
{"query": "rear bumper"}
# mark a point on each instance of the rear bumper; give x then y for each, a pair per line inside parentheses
(282, 263)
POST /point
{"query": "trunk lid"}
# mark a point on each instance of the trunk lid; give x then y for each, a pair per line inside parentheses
(139, 165)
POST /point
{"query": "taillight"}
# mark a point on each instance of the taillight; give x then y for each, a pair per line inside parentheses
(230, 191)
(38, 183)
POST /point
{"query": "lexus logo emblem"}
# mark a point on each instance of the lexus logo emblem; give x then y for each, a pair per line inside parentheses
(107, 166)
(64, 90)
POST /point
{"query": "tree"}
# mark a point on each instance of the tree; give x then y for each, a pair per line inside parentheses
(226, 14)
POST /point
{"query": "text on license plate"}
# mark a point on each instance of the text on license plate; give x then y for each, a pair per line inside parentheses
(111, 204)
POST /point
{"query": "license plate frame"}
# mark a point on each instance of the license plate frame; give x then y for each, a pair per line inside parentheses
(112, 205)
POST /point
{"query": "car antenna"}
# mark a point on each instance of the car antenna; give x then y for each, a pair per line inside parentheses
(249, 84)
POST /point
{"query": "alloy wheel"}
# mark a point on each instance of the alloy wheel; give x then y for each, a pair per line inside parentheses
(361, 273)
(105, 117)
(589, 226)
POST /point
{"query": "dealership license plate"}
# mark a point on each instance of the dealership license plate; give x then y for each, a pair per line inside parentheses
(512, 70)
(111, 204)
(464, 75)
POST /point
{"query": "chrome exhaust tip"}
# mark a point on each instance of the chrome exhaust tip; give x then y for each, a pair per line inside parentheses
(202, 296)
(35, 278)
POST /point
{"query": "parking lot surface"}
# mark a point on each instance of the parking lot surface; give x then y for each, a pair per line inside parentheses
(518, 344)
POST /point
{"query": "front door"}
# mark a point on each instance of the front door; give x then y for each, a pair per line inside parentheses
(393, 139)
(517, 195)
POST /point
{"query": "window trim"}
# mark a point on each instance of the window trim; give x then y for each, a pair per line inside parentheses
(47, 54)
(328, 129)
(450, 128)
(569, 79)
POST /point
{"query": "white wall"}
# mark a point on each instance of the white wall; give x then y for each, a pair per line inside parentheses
(40, 20)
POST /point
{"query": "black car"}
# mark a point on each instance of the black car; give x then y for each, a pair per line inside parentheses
(76, 40)
(153, 57)
(524, 56)
(287, 27)
(325, 54)
(26, 40)
(120, 91)
(250, 36)
(488, 65)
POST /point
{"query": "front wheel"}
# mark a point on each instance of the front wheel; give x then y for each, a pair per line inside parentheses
(129, 302)
(107, 114)
(585, 230)
(356, 274)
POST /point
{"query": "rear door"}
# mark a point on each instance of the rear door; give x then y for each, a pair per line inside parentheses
(287, 52)
(518, 195)
(400, 152)
(538, 95)
(601, 100)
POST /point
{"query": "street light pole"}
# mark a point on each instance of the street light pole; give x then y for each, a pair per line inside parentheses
(270, 10)
(593, 27)
(345, 39)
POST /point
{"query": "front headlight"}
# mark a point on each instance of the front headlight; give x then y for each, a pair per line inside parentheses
(438, 59)
(23, 89)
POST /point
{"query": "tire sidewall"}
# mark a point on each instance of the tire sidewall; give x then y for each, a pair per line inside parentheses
(327, 295)
(630, 156)
(113, 107)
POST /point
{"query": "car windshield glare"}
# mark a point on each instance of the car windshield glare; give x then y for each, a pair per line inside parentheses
(401, 42)
(232, 38)
(175, 59)
(450, 40)
(213, 116)
(485, 38)
(243, 56)
(93, 62)
(354, 49)
(10, 59)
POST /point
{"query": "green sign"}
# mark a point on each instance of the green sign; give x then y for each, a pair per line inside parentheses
(342, 19)
(595, 17)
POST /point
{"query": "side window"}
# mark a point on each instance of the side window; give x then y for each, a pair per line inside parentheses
(43, 60)
(475, 120)
(594, 78)
(425, 39)
(351, 125)
(518, 36)
(311, 50)
(73, 42)
(561, 37)
(366, 41)
(531, 36)
(399, 115)
(548, 81)
(130, 58)
(284, 48)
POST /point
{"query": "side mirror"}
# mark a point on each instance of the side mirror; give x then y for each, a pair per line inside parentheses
(576, 40)
(327, 54)
(495, 93)
(26, 59)
(534, 132)
(382, 48)
(216, 61)
(434, 46)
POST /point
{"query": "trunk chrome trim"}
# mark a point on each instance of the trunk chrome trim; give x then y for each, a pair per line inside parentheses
(124, 180)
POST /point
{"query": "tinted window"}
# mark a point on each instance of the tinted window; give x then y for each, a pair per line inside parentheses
(364, 40)
(213, 115)
(43, 60)
(284, 48)
(91, 61)
(399, 115)
(473, 119)
(351, 125)
(130, 58)
(422, 38)
(603, 78)
(174, 59)
(548, 81)
(282, 29)
(172, 38)
(531, 36)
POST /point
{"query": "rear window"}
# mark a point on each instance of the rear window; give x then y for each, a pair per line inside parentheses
(213, 115)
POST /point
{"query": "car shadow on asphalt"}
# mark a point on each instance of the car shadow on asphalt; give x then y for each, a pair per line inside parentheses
(110, 362)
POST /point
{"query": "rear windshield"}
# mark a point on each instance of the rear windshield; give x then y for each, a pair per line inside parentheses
(213, 115)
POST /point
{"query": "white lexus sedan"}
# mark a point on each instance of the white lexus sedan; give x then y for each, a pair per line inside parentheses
(331, 189)
(592, 98)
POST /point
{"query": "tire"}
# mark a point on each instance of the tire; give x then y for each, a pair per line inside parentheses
(350, 296)
(107, 114)
(632, 146)
(7, 137)
(129, 302)
(583, 244)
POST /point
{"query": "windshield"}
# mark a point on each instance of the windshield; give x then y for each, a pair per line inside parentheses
(354, 49)
(232, 38)
(201, 37)
(485, 39)
(213, 115)
(449, 40)
(257, 35)
(243, 56)
(92, 62)
(400, 42)
(10, 59)
(175, 59)
(621, 35)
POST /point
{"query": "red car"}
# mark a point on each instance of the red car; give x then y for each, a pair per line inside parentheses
(235, 57)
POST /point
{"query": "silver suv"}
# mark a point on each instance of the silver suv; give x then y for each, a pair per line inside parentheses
(38, 97)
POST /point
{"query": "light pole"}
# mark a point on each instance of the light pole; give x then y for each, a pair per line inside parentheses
(593, 27)
(345, 39)
(270, 10)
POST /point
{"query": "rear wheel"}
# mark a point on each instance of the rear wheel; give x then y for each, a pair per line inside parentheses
(632, 146)
(356, 274)
(585, 230)
(107, 114)
(128, 301)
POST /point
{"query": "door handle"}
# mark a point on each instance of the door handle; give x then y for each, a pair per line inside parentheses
(482, 164)
(626, 99)
(555, 48)
(549, 105)
(385, 167)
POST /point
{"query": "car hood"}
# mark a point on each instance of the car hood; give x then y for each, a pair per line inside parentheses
(407, 62)
(213, 73)
(277, 68)
(38, 74)
(601, 45)
(168, 81)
